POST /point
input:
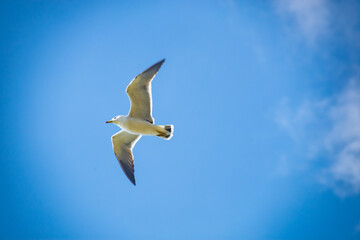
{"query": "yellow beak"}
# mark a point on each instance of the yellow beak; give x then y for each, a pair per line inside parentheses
(109, 121)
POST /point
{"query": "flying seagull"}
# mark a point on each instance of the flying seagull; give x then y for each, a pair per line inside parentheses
(138, 122)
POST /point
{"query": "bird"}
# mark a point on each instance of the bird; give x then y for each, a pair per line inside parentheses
(138, 122)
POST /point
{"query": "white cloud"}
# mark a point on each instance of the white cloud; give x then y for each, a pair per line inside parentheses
(322, 20)
(312, 16)
(329, 131)
(343, 141)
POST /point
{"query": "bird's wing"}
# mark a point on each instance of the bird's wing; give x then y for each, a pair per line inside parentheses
(139, 91)
(123, 143)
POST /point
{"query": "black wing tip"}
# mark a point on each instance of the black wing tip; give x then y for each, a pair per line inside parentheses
(133, 182)
(158, 64)
(131, 177)
(155, 66)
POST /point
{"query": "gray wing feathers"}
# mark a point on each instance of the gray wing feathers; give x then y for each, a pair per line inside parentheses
(123, 143)
(139, 92)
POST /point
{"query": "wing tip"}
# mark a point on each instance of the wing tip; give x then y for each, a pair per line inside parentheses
(131, 177)
(161, 62)
(133, 181)
(155, 67)
(158, 64)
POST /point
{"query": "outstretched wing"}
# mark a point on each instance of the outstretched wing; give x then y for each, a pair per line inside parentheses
(123, 143)
(139, 91)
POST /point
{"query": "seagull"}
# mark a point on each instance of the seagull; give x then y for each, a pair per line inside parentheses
(139, 120)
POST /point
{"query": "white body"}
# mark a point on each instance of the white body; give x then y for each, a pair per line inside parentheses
(137, 126)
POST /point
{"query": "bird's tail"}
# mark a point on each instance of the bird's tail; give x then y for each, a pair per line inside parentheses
(165, 131)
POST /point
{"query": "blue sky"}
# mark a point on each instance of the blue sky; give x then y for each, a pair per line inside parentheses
(264, 96)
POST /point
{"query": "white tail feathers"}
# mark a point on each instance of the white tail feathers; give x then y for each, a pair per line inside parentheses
(166, 131)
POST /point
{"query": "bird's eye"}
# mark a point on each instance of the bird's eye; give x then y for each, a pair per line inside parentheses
(114, 117)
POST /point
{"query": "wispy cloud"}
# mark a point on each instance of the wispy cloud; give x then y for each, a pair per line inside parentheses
(312, 16)
(321, 19)
(329, 130)
(343, 141)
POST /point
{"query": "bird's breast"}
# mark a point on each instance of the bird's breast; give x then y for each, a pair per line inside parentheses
(138, 126)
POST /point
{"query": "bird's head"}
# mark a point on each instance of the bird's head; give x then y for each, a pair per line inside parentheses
(116, 119)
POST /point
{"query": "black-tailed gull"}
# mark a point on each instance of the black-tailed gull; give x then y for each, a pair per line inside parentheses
(138, 122)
